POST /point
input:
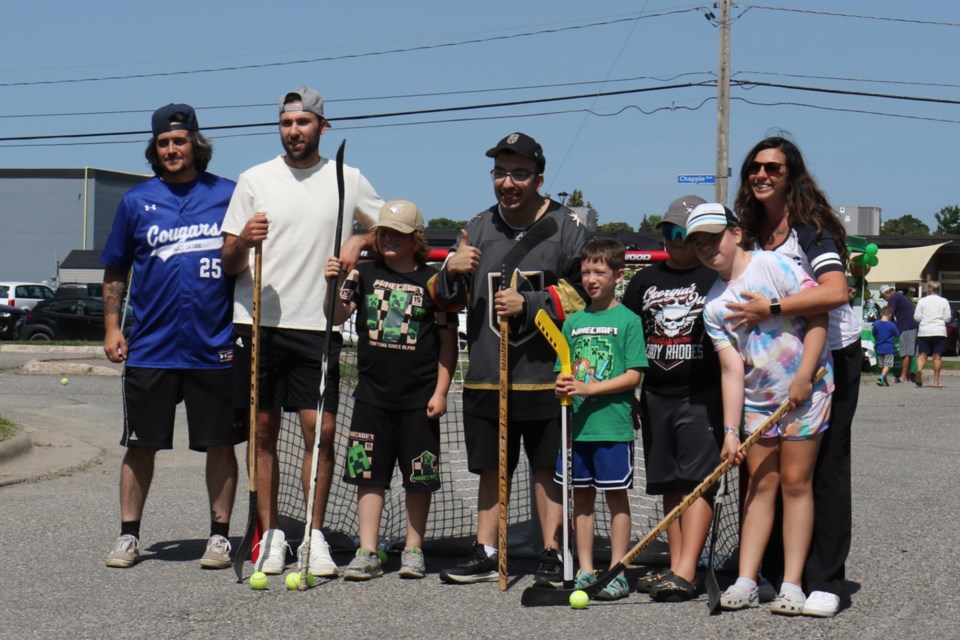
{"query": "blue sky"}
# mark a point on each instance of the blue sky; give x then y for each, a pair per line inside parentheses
(625, 161)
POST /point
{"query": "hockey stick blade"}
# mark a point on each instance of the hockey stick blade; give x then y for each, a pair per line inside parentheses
(713, 589)
(540, 597)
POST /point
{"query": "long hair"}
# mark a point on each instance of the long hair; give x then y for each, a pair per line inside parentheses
(421, 251)
(806, 203)
(202, 152)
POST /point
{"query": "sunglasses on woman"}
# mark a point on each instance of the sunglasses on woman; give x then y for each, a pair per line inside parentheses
(770, 168)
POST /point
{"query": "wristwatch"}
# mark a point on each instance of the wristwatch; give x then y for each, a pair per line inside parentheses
(775, 307)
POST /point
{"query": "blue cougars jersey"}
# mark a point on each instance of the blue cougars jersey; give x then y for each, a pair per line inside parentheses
(182, 300)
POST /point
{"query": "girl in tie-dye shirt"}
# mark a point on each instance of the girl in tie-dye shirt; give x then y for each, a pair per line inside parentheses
(762, 366)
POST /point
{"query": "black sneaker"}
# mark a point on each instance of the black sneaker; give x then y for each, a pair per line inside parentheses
(479, 568)
(550, 571)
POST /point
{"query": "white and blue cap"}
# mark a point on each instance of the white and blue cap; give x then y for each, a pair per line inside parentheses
(711, 217)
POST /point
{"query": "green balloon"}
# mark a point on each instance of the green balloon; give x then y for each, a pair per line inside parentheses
(873, 261)
(871, 249)
(862, 258)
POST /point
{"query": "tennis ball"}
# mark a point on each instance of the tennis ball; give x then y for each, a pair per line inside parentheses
(64, 380)
(259, 581)
(311, 580)
(579, 599)
(292, 580)
(382, 555)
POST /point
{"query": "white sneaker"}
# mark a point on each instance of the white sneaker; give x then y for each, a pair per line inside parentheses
(321, 564)
(821, 604)
(125, 552)
(273, 552)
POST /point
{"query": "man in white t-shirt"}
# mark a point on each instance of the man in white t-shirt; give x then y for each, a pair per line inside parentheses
(288, 207)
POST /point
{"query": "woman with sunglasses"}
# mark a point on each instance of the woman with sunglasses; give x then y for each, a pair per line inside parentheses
(782, 209)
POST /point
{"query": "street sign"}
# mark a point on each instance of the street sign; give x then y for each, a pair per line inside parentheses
(696, 179)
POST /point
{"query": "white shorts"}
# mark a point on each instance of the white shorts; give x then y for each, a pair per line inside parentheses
(807, 420)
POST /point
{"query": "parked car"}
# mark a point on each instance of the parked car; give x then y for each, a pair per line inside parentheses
(74, 289)
(79, 318)
(24, 295)
(8, 321)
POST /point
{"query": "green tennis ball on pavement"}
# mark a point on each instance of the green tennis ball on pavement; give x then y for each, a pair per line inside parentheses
(64, 380)
(311, 580)
(259, 581)
(579, 599)
(382, 555)
(292, 580)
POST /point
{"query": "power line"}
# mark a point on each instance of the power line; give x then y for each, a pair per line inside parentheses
(846, 110)
(393, 114)
(348, 56)
(915, 83)
(836, 14)
(844, 92)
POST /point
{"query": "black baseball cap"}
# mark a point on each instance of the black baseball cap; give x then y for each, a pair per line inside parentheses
(162, 119)
(523, 145)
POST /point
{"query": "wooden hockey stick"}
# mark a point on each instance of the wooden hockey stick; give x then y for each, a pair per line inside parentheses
(243, 549)
(314, 463)
(539, 597)
(555, 337)
(503, 479)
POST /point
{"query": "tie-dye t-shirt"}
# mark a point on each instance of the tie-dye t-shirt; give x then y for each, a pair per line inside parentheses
(772, 350)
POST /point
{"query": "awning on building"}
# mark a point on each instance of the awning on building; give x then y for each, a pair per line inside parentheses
(902, 265)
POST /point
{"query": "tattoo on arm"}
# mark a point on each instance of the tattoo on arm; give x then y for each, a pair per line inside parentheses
(113, 297)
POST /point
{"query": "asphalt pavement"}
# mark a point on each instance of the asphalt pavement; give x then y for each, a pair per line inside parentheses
(60, 516)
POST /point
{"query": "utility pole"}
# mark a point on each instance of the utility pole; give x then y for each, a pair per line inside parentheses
(723, 104)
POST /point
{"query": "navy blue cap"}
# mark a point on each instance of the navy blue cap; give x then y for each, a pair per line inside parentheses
(162, 119)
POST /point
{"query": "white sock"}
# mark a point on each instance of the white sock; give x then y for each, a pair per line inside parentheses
(746, 582)
(789, 586)
(490, 550)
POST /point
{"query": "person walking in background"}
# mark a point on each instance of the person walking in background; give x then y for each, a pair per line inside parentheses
(288, 207)
(167, 230)
(884, 331)
(906, 325)
(932, 315)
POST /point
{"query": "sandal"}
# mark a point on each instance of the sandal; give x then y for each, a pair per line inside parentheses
(652, 578)
(788, 603)
(739, 597)
(673, 588)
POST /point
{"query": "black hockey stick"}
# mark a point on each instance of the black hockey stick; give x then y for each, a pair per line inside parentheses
(713, 589)
(331, 307)
(243, 549)
(540, 597)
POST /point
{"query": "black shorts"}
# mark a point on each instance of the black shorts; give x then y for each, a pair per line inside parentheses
(290, 369)
(682, 437)
(541, 440)
(381, 437)
(932, 345)
(150, 399)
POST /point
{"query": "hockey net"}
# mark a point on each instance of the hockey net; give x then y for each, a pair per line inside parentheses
(452, 524)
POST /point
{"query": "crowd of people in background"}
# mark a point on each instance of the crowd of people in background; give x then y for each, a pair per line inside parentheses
(704, 348)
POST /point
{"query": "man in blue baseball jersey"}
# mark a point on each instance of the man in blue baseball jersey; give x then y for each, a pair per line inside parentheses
(167, 230)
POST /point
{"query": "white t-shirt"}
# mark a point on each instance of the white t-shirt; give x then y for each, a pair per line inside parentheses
(301, 206)
(772, 350)
(933, 314)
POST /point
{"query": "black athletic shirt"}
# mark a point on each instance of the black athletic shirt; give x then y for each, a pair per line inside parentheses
(397, 324)
(670, 303)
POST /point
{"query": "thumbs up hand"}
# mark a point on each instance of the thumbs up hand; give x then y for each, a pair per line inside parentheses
(465, 259)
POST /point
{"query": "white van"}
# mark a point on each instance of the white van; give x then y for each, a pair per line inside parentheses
(24, 295)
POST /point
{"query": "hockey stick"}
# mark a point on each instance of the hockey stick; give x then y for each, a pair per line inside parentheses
(553, 335)
(502, 480)
(540, 597)
(713, 589)
(243, 549)
(314, 462)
